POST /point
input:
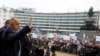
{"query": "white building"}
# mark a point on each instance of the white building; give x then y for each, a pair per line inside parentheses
(50, 22)
(29, 10)
(5, 14)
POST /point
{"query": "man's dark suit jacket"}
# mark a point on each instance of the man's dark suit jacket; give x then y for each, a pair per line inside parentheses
(11, 42)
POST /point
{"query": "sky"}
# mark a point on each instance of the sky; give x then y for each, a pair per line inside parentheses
(53, 5)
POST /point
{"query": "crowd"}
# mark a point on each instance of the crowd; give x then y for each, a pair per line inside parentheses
(68, 47)
(19, 42)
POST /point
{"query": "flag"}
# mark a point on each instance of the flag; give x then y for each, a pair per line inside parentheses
(38, 31)
(83, 39)
(72, 34)
(57, 31)
(84, 35)
(87, 40)
(71, 41)
(94, 40)
(73, 37)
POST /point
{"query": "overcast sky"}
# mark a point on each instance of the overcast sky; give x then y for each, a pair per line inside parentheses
(53, 5)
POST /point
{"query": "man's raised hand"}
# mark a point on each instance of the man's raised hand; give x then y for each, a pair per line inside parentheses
(30, 22)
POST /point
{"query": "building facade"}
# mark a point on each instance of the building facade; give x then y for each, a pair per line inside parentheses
(50, 22)
(5, 14)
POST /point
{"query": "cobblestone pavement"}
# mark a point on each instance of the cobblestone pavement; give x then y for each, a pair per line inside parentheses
(63, 54)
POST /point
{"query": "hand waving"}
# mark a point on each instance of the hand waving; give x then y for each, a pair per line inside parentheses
(30, 22)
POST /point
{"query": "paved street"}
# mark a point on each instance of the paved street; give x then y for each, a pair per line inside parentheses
(63, 54)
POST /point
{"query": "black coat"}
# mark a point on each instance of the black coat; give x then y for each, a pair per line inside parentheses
(2, 30)
(11, 42)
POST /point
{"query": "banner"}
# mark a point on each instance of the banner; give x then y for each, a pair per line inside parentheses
(50, 35)
(97, 38)
(72, 34)
(65, 37)
(34, 35)
(74, 37)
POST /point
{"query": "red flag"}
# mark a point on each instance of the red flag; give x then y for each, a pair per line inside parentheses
(87, 40)
(71, 41)
(57, 31)
(94, 41)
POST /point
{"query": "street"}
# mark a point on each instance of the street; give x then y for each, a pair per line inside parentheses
(63, 54)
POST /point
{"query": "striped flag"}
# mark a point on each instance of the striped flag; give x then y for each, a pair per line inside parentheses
(84, 35)
(87, 40)
(57, 31)
(83, 39)
(94, 40)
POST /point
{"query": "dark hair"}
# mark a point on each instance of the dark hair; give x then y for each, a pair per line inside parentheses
(7, 22)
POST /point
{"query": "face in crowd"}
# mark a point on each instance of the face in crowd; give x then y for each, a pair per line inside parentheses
(7, 23)
(15, 23)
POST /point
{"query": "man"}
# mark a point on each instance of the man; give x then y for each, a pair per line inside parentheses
(7, 24)
(15, 40)
(2, 30)
(30, 44)
(53, 49)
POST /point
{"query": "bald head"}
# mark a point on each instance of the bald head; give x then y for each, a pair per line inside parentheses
(15, 23)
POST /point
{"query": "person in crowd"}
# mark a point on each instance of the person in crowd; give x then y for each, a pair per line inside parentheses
(47, 52)
(2, 30)
(53, 49)
(15, 40)
(41, 50)
(7, 24)
(79, 49)
(29, 39)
